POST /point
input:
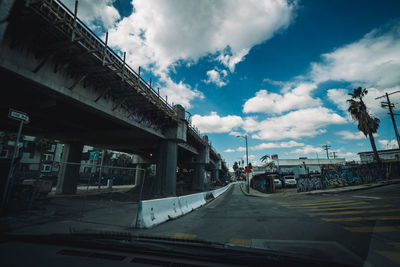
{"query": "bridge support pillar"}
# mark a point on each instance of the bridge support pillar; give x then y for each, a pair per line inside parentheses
(200, 176)
(216, 175)
(68, 176)
(167, 156)
(166, 168)
(139, 174)
(5, 9)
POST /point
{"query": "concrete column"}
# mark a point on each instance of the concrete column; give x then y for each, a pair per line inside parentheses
(199, 177)
(68, 175)
(200, 162)
(167, 158)
(5, 9)
(139, 174)
(216, 174)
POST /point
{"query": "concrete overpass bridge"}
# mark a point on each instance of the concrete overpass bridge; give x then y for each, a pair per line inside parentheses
(78, 90)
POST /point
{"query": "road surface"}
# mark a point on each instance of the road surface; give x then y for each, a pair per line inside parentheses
(364, 224)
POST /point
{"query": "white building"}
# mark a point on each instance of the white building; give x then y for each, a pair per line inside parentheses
(389, 154)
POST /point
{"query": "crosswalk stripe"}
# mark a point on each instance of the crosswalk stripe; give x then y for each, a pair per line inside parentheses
(184, 236)
(331, 205)
(238, 241)
(392, 255)
(354, 219)
(373, 229)
(352, 212)
(395, 244)
(324, 203)
(349, 208)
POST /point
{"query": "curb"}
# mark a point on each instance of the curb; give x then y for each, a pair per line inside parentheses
(247, 194)
(353, 189)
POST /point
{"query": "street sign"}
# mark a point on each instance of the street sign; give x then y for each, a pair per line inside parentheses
(18, 115)
(94, 155)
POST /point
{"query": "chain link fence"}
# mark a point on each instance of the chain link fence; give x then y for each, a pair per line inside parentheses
(105, 196)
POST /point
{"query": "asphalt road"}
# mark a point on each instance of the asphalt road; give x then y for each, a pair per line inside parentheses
(360, 227)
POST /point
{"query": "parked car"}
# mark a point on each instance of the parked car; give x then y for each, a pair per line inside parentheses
(289, 181)
(278, 183)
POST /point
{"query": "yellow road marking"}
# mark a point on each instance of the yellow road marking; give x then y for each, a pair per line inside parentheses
(395, 244)
(373, 229)
(350, 208)
(392, 255)
(354, 219)
(322, 203)
(330, 205)
(184, 236)
(352, 212)
(238, 241)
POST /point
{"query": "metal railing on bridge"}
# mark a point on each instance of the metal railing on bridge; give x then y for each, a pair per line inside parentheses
(64, 19)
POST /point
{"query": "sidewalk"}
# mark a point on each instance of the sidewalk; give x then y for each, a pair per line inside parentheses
(291, 191)
(351, 188)
(253, 192)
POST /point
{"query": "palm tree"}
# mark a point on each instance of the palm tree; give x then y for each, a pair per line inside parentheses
(264, 158)
(367, 124)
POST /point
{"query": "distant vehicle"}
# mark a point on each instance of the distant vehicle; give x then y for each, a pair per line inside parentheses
(278, 183)
(290, 181)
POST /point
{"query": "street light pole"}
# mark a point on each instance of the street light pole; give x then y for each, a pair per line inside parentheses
(247, 162)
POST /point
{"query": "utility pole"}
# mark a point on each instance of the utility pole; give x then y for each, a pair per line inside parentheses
(390, 105)
(326, 147)
(334, 154)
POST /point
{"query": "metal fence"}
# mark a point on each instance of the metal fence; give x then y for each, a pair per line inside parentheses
(104, 196)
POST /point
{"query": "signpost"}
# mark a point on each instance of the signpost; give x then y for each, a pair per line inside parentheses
(22, 117)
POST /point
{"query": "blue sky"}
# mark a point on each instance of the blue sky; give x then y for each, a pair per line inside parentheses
(278, 71)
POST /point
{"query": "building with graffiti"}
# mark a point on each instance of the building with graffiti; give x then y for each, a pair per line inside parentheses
(305, 166)
(385, 155)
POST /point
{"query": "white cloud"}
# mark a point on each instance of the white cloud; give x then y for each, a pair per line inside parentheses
(178, 93)
(276, 145)
(213, 123)
(229, 150)
(241, 149)
(234, 133)
(297, 98)
(251, 157)
(217, 77)
(349, 156)
(347, 135)
(306, 150)
(350, 135)
(161, 34)
(388, 144)
(94, 11)
(340, 96)
(294, 125)
(373, 61)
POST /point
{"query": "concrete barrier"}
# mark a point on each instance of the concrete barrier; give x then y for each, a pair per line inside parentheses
(156, 211)
(191, 202)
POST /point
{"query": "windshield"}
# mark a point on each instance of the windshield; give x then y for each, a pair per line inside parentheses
(263, 124)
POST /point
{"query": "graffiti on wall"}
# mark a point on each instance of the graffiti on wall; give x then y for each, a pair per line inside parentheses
(339, 176)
